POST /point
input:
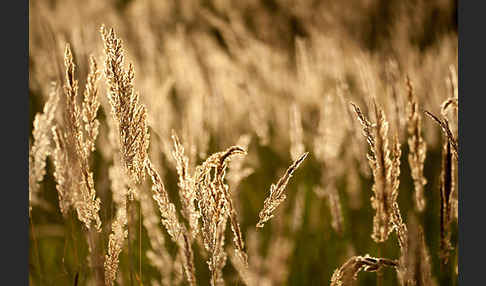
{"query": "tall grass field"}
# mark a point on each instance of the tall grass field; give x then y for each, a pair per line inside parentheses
(258, 143)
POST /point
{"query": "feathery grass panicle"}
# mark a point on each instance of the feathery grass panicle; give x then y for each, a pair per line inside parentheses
(237, 234)
(187, 196)
(158, 255)
(166, 208)
(72, 114)
(396, 154)
(444, 125)
(367, 129)
(215, 205)
(348, 272)
(74, 179)
(86, 203)
(277, 193)
(400, 227)
(188, 262)
(386, 170)
(176, 231)
(213, 85)
(115, 243)
(41, 146)
(417, 147)
(62, 174)
(233, 216)
(119, 230)
(236, 171)
(186, 186)
(129, 114)
(403, 242)
(91, 104)
(131, 121)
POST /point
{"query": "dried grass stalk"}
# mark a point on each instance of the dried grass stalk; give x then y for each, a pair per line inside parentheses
(400, 227)
(129, 114)
(171, 223)
(386, 172)
(381, 168)
(91, 104)
(61, 171)
(188, 263)
(115, 243)
(237, 172)
(215, 205)
(166, 208)
(367, 129)
(447, 186)
(41, 147)
(119, 226)
(131, 121)
(417, 147)
(158, 256)
(84, 194)
(277, 193)
(444, 125)
(348, 273)
(186, 186)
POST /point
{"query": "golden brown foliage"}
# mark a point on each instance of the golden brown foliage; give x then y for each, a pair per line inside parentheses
(75, 182)
(186, 186)
(417, 147)
(385, 165)
(218, 73)
(215, 205)
(170, 221)
(348, 272)
(41, 147)
(130, 116)
(277, 193)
